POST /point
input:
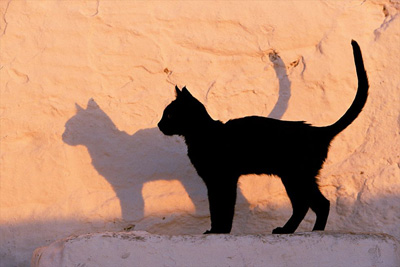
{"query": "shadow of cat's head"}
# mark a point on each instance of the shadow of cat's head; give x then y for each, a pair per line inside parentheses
(86, 124)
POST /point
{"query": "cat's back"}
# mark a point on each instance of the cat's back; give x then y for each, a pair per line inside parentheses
(257, 124)
(255, 131)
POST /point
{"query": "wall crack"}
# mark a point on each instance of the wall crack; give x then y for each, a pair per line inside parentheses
(4, 19)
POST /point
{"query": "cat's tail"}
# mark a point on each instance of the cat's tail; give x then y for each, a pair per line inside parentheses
(360, 99)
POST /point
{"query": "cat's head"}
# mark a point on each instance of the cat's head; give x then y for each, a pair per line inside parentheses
(183, 115)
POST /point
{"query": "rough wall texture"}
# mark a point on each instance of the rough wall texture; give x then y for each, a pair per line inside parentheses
(143, 249)
(84, 83)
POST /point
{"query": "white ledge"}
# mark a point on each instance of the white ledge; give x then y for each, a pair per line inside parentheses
(144, 249)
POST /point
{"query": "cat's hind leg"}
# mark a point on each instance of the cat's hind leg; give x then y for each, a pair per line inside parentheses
(320, 205)
(297, 193)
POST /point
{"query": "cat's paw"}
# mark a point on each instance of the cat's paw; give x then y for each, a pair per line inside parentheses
(281, 230)
(215, 232)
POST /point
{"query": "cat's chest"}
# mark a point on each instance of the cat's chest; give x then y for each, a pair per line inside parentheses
(206, 154)
(204, 151)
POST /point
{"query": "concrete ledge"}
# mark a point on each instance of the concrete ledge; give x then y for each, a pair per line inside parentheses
(144, 249)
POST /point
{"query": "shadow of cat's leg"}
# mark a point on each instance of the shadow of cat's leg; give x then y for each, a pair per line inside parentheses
(131, 202)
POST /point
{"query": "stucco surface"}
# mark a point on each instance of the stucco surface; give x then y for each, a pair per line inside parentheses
(84, 83)
(143, 249)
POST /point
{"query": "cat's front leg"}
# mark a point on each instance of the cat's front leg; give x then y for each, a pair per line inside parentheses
(222, 199)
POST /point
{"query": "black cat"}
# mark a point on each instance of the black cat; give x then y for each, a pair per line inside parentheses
(293, 150)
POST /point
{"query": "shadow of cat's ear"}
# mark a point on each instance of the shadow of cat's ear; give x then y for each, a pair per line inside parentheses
(92, 104)
(78, 108)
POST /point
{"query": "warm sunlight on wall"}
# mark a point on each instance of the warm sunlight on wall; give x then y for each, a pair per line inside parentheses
(83, 85)
(263, 190)
(165, 197)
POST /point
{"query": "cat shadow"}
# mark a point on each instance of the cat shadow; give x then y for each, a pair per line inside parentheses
(128, 162)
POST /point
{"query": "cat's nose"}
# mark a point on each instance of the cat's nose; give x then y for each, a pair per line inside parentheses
(159, 125)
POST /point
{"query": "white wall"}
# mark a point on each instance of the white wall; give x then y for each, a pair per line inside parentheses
(72, 165)
(325, 249)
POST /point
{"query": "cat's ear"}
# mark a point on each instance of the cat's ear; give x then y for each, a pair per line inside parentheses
(185, 91)
(177, 91)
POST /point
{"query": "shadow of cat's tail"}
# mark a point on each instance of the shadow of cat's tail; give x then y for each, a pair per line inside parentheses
(284, 86)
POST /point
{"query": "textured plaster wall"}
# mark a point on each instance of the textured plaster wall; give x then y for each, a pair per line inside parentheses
(84, 83)
(143, 249)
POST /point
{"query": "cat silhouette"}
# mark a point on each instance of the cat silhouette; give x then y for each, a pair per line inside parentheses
(127, 162)
(293, 150)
